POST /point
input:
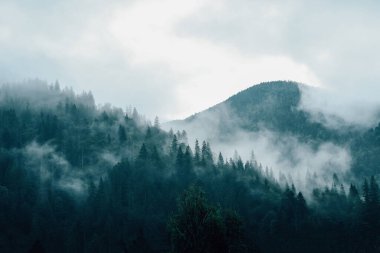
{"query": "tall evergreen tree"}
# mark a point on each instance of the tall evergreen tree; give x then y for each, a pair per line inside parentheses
(122, 134)
(174, 146)
(198, 226)
(220, 160)
(156, 122)
(197, 154)
(143, 155)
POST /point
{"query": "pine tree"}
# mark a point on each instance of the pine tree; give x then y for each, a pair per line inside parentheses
(301, 206)
(234, 233)
(240, 165)
(184, 137)
(209, 153)
(135, 115)
(179, 158)
(156, 158)
(148, 134)
(198, 226)
(156, 122)
(188, 155)
(143, 154)
(184, 166)
(206, 154)
(353, 192)
(197, 155)
(220, 160)
(171, 133)
(370, 213)
(174, 146)
(353, 198)
(122, 134)
(373, 193)
(366, 192)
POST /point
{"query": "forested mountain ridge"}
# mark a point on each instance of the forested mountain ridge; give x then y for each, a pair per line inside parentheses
(270, 105)
(276, 107)
(75, 177)
(72, 172)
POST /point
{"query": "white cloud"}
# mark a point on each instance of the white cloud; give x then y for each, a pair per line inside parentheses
(174, 58)
(205, 72)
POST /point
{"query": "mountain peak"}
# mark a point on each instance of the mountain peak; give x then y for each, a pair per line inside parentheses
(269, 105)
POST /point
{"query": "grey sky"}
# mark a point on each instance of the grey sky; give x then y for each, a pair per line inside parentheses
(173, 58)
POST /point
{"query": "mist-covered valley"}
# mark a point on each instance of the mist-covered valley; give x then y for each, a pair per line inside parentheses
(262, 171)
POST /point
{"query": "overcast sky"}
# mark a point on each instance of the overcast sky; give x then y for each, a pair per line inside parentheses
(173, 58)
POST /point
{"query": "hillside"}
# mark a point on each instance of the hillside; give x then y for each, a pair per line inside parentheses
(274, 107)
(75, 177)
(71, 172)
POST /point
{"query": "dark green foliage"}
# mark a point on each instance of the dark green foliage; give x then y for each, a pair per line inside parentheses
(122, 134)
(365, 150)
(74, 178)
(174, 146)
(200, 227)
(370, 215)
(197, 155)
(275, 106)
(206, 154)
(220, 163)
(143, 154)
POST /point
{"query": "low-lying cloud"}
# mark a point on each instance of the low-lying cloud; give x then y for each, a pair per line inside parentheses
(337, 108)
(51, 166)
(283, 154)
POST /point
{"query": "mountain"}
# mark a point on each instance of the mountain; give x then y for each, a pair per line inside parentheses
(71, 172)
(75, 177)
(271, 105)
(276, 107)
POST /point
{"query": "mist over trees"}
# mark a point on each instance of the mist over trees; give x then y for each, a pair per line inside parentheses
(76, 177)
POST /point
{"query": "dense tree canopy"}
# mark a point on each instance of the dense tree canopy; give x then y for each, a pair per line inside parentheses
(79, 178)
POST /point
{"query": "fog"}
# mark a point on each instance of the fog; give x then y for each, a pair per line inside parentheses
(281, 153)
(52, 167)
(76, 176)
(45, 160)
(34, 93)
(338, 107)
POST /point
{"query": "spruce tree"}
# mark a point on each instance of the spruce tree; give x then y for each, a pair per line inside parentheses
(197, 155)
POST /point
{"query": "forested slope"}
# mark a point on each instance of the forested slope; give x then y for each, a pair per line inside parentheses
(75, 177)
